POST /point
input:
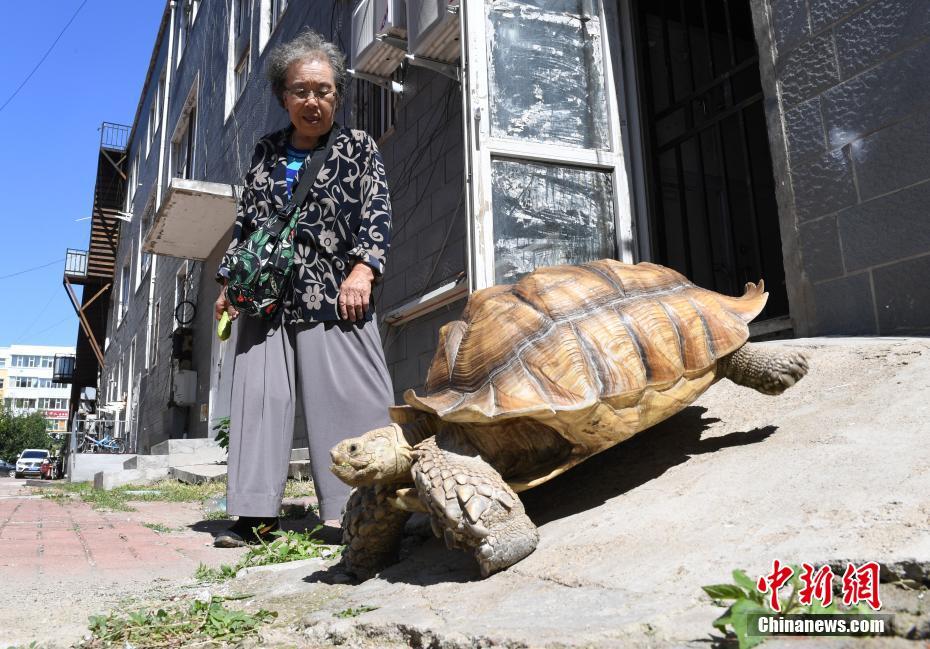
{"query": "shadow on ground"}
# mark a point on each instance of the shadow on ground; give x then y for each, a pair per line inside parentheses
(426, 561)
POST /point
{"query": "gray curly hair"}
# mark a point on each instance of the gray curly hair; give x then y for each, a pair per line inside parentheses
(308, 45)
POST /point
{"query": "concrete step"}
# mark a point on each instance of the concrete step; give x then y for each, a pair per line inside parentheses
(107, 480)
(300, 454)
(184, 452)
(147, 462)
(198, 473)
(299, 470)
(177, 446)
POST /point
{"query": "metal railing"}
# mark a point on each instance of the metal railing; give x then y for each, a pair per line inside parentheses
(76, 262)
(114, 136)
(87, 430)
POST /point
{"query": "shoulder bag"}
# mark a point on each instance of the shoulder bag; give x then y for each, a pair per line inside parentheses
(260, 267)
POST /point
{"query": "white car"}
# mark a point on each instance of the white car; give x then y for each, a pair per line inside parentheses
(30, 462)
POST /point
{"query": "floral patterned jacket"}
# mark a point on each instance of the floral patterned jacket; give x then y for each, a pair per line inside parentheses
(345, 220)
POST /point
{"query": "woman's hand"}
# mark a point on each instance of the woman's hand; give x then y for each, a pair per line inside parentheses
(355, 293)
(223, 304)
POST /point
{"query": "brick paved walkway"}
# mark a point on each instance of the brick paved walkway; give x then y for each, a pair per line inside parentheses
(49, 539)
(61, 561)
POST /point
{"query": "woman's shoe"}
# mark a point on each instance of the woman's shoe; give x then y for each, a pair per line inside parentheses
(248, 530)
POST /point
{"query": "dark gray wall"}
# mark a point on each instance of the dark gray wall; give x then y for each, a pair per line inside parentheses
(853, 111)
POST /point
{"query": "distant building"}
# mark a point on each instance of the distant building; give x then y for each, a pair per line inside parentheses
(27, 382)
(729, 139)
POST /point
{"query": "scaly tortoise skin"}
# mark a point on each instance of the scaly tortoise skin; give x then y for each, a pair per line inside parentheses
(537, 377)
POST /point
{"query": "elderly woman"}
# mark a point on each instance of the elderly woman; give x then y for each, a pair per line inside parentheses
(324, 347)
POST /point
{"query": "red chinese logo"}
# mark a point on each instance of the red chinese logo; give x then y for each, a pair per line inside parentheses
(771, 583)
(859, 584)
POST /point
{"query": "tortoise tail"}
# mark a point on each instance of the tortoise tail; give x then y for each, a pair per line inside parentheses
(749, 304)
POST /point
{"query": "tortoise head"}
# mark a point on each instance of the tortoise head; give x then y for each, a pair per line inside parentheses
(379, 456)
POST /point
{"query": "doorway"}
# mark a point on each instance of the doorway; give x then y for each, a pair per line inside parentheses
(712, 213)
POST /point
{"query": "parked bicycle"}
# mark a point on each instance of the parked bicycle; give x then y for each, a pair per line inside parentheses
(106, 445)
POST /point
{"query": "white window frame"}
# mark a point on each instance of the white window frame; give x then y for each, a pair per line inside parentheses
(181, 279)
(271, 11)
(183, 131)
(482, 148)
(144, 259)
(125, 278)
(152, 357)
(239, 52)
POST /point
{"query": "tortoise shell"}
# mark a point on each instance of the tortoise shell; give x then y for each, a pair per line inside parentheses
(596, 352)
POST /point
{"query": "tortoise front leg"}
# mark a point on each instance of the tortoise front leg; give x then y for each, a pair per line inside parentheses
(372, 530)
(769, 370)
(470, 505)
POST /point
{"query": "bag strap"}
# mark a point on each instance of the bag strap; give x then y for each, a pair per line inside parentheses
(299, 195)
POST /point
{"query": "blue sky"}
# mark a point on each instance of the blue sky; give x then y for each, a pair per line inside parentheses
(48, 144)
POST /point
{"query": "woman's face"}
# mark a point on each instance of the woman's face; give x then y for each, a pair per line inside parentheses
(312, 117)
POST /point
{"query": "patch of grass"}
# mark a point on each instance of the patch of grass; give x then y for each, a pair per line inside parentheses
(286, 546)
(215, 516)
(205, 573)
(158, 527)
(298, 489)
(117, 499)
(181, 624)
(355, 612)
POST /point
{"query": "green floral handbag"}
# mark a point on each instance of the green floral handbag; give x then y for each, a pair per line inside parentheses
(260, 267)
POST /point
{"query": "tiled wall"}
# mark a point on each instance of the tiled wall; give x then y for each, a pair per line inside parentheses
(854, 97)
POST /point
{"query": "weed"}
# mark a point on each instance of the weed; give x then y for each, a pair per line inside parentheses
(215, 516)
(183, 624)
(158, 527)
(205, 573)
(748, 600)
(298, 489)
(355, 612)
(287, 546)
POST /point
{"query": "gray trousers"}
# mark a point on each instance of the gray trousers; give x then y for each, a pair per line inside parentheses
(338, 372)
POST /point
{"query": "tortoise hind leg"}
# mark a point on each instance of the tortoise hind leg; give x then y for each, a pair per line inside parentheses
(372, 530)
(769, 370)
(470, 505)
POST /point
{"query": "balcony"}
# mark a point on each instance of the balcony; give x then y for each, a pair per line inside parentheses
(76, 263)
(195, 217)
(63, 369)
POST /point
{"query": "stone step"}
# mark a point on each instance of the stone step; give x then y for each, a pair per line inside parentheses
(300, 454)
(147, 462)
(299, 470)
(198, 473)
(106, 480)
(178, 446)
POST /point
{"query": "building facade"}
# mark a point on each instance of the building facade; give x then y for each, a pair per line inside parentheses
(28, 385)
(729, 139)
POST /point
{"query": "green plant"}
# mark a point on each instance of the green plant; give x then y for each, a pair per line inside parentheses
(158, 527)
(180, 625)
(748, 600)
(222, 432)
(205, 573)
(354, 612)
(286, 546)
(118, 498)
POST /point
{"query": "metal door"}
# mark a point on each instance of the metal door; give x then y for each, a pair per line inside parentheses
(711, 191)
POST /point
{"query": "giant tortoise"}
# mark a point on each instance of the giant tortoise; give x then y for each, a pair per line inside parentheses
(537, 377)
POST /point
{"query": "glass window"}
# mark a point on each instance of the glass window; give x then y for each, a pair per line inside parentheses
(277, 9)
(242, 74)
(2, 362)
(548, 214)
(546, 72)
(32, 361)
